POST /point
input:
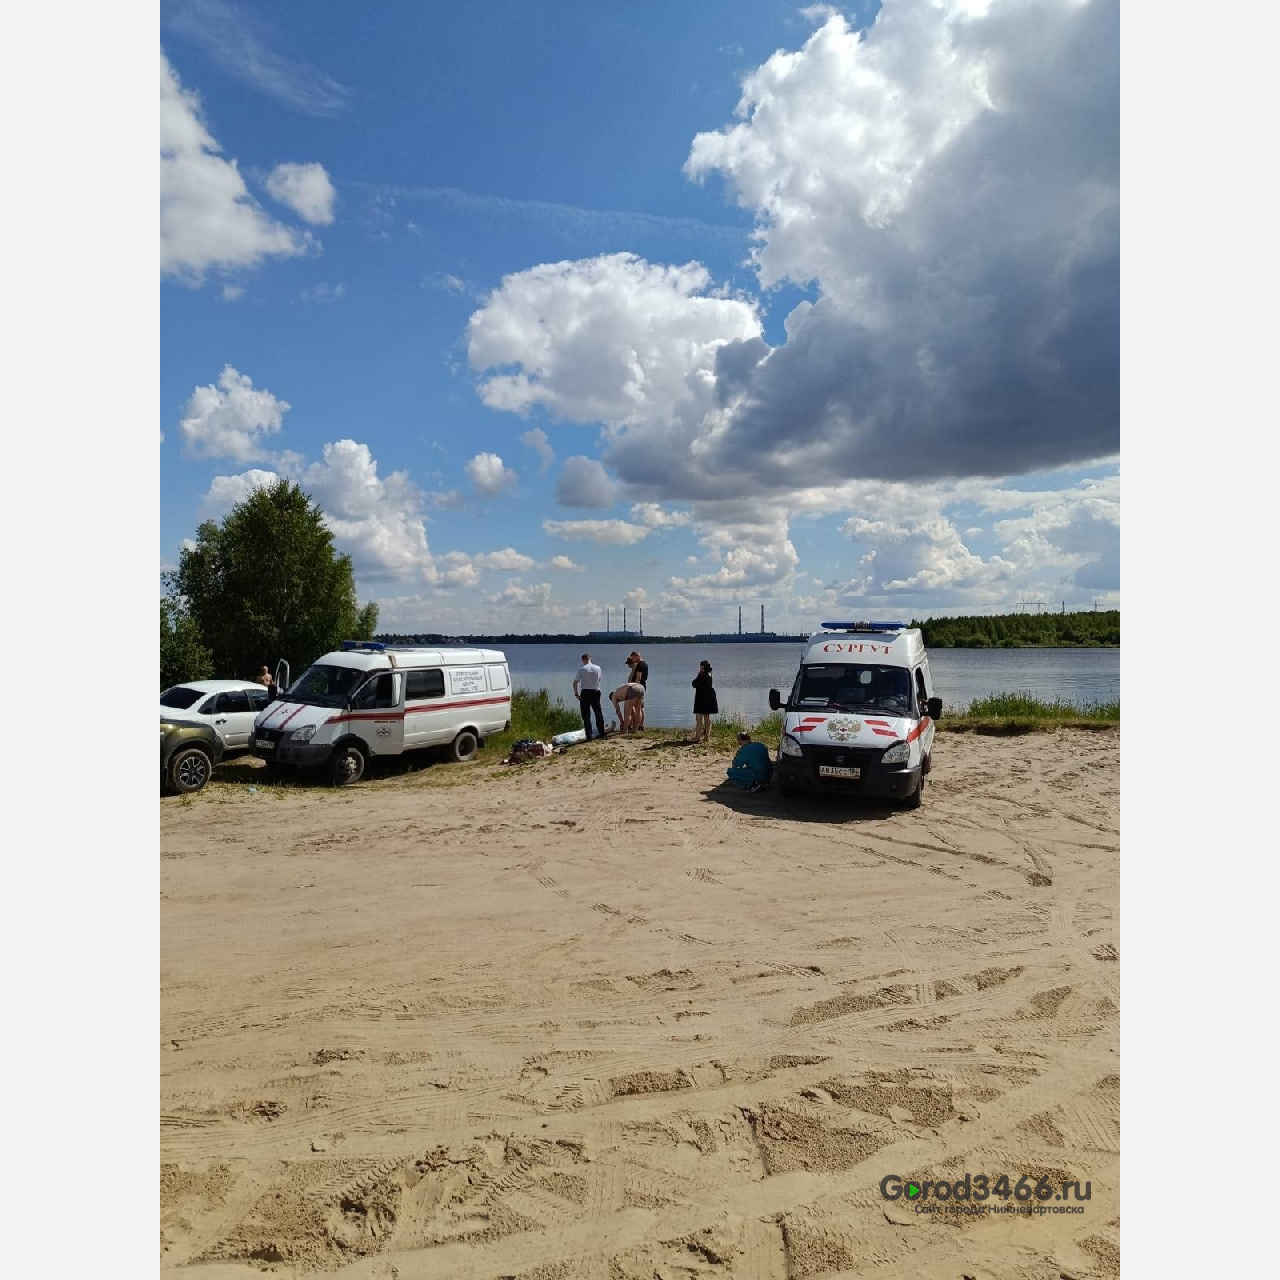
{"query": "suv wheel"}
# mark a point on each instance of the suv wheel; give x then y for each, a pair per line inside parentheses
(189, 769)
(346, 766)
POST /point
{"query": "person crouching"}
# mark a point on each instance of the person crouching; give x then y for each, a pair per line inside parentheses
(751, 768)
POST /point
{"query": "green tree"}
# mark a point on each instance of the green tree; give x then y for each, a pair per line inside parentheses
(183, 654)
(267, 584)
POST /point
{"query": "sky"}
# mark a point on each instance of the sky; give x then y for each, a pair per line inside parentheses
(688, 307)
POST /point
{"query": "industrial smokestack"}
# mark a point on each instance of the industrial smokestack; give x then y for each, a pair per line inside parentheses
(739, 619)
(762, 619)
(640, 628)
(608, 626)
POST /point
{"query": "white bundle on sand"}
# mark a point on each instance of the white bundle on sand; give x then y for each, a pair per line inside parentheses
(568, 739)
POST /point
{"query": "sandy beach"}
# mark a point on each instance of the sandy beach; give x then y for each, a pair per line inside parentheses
(597, 1016)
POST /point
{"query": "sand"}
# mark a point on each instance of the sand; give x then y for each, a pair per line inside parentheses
(597, 1017)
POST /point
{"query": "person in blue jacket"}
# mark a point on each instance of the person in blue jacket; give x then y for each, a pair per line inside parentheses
(751, 768)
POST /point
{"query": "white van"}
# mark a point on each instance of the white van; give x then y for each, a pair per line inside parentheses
(372, 699)
(859, 719)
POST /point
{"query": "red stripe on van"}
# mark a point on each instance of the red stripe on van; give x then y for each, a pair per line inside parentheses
(918, 730)
(400, 715)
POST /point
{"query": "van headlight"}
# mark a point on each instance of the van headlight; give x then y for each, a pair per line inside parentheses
(899, 753)
(789, 747)
(305, 734)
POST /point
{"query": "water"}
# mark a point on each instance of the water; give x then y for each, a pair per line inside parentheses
(744, 674)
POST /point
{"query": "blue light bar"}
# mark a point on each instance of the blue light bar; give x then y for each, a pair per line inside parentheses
(865, 626)
(375, 645)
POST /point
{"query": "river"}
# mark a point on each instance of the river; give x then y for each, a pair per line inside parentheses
(744, 674)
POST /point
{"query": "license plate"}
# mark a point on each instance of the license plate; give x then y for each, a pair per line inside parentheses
(835, 771)
(264, 744)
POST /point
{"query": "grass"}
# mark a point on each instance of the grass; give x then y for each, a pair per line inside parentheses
(1024, 713)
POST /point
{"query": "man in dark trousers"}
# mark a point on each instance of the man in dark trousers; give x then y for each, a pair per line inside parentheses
(586, 688)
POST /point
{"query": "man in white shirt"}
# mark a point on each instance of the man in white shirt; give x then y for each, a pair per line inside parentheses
(586, 688)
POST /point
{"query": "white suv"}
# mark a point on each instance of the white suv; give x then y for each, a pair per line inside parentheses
(229, 706)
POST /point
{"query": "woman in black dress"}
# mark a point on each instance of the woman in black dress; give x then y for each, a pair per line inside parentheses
(704, 703)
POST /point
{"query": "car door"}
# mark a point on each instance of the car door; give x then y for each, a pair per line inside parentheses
(233, 718)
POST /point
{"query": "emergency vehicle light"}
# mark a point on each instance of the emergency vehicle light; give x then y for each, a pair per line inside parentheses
(375, 645)
(865, 626)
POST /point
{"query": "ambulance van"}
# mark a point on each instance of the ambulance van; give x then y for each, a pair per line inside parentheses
(369, 699)
(859, 719)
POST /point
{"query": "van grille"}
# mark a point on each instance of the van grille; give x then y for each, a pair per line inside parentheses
(865, 758)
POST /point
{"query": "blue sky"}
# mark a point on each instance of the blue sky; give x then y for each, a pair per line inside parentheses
(547, 322)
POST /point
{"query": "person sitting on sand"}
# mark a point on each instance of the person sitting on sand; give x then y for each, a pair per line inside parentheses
(628, 705)
(751, 768)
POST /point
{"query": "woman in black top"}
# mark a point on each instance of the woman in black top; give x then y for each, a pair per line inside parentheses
(704, 703)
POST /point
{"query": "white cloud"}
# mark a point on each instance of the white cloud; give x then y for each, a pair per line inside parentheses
(609, 339)
(563, 562)
(653, 516)
(583, 482)
(226, 491)
(207, 217)
(378, 521)
(508, 559)
(489, 475)
(232, 419)
(612, 533)
(535, 596)
(232, 292)
(304, 188)
(538, 441)
(448, 500)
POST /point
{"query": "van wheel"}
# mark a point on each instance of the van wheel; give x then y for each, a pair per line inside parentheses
(916, 798)
(464, 747)
(189, 769)
(346, 766)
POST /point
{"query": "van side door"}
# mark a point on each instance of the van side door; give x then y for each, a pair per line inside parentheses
(425, 722)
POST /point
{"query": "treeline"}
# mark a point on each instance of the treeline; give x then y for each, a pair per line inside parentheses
(1023, 630)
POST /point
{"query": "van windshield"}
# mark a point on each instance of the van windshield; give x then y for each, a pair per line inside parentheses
(854, 687)
(324, 685)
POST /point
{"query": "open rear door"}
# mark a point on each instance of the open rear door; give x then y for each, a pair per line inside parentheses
(282, 676)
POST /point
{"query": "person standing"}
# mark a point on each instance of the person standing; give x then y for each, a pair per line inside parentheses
(639, 675)
(705, 704)
(264, 678)
(586, 688)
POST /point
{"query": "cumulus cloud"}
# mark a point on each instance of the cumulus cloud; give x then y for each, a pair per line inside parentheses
(610, 533)
(946, 183)
(304, 188)
(610, 339)
(377, 520)
(563, 562)
(231, 419)
(207, 217)
(488, 474)
(583, 482)
(653, 516)
(540, 443)
(225, 491)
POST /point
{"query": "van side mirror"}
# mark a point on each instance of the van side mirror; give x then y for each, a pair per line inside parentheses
(934, 707)
(775, 700)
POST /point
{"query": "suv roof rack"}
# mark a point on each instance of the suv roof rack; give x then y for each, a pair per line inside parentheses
(373, 646)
